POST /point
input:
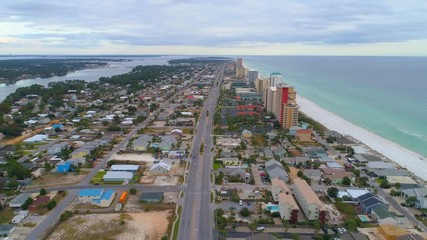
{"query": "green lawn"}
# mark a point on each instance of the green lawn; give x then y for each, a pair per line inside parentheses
(175, 230)
(216, 165)
(6, 215)
(98, 177)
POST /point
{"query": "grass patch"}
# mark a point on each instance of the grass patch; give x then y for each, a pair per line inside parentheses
(259, 140)
(98, 177)
(29, 224)
(216, 165)
(6, 215)
(157, 206)
(188, 131)
(176, 228)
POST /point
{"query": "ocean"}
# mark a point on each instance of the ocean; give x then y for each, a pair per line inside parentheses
(385, 95)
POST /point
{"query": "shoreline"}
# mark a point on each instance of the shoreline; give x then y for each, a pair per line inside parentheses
(403, 157)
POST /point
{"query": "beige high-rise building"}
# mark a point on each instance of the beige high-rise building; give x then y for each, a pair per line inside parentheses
(286, 109)
(240, 70)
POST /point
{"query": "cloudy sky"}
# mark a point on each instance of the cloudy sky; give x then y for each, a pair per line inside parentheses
(297, 27)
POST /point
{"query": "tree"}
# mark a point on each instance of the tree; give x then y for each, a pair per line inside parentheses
(328, 181)
(51, 205)
(346, 181)
(43, 191)
(244, 212)
(351, 225)
(295, 236)
(132, 191)
(300, 173)
(397, 186)
(316, 225)
(332, 192)
(384, 184)
(253, 226)
(27, 203)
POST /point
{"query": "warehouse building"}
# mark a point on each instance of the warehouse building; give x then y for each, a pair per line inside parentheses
(117, 176)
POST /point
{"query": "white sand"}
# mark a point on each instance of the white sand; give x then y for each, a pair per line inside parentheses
(408, 159)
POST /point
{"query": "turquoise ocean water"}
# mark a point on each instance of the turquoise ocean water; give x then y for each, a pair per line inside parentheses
(385, 95)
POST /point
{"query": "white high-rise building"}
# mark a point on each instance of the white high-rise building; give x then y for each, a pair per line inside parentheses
(275, 78)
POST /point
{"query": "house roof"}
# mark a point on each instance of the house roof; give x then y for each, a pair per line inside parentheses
(307, 192)
(286, 198)
(96, 192)
(381, 212)
(333, 165)
(106, 195)
(20, 199)
(162, 165)
(118, 175)
(277, 182)
(415, 192)
(371, 202)
(151, 195)
(40, 200)
(365, 197)
(124, 167)
(6, 227)
(380, 165)
(278, 173)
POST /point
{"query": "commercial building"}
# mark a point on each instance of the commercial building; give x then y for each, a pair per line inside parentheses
(98, 197)
(311, 205)
(117, 176)
(125, 168)
(252, 75)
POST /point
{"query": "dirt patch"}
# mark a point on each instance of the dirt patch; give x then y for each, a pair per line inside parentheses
(133, 157)
(56, 180)
(166, 180)
(147, 179)
(132, 226)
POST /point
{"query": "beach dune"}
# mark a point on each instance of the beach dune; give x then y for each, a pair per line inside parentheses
(408, 159)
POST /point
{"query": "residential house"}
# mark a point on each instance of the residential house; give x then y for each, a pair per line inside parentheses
(98, 197)
(36, 138)
(160, 168)
(142, 142)
(313, 174)
(304, 135)
(313, 208)
(175, 154)
(151, 197)
(63, 167)
(39, 203)
(380, 165)
(275, 169)
(19, 200)
(168, 143)
(337, 175)
(419, 193)
(383, 216)
(57, 148)
(6, 229)
(368, 201)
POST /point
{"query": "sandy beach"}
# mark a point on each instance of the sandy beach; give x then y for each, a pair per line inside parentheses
(408, 159)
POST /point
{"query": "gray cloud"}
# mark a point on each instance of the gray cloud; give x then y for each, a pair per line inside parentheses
(214, 23)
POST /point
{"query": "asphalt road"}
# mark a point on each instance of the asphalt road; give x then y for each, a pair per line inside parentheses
(54, 214)
(196, 220)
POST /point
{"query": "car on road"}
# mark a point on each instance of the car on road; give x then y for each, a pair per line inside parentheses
(260, 229)
(240, 202)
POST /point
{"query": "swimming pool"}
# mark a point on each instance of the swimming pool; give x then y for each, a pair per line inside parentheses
(363, 218)
(272, 208)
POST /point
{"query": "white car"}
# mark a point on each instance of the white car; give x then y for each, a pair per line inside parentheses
(240, 202)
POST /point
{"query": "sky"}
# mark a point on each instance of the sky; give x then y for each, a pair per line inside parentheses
(215, 27)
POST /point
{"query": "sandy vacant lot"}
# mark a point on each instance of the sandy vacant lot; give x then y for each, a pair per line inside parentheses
(132, 226)
(57, 179)
(133, 157)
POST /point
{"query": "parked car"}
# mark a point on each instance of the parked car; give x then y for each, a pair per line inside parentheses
(240, 202)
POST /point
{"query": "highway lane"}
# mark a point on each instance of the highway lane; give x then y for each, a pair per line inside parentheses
(196, 220)
(54, 214)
